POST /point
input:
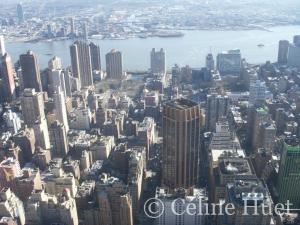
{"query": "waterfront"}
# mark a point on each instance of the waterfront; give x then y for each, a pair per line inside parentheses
(190, 49)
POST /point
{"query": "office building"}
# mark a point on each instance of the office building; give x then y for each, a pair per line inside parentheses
(283, 51)
(20, 13)
(26, 140)
(230, 168)
(7, 75)
(289, 176)
(73, 30)
(114, 64)
(32, 103)
(244, 194)
(58, 140)
(31, 77)
(9, 170)
(210, 62)
(95, 56)
(12, 121)
(229, 62)
(2, 46)
(34, 116)
(44, 208)
(81, 63)
(60, 108)
(217, 107)
(257, 93)
(158, 61)
(114, 201)
(294, 53)
(182, 198)
(11, 206)
(181, 143)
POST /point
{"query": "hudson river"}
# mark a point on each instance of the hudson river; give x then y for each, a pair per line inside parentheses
(188, 50)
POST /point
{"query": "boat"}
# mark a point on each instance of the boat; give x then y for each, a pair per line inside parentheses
(169, 34)
(260, 45)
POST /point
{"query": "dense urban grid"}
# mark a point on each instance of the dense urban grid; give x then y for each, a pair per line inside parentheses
(86, 145)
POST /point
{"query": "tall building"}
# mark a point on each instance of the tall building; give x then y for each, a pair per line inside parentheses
(2, 46)
(85, 31)
(11, 206)
(58, 139)
(72, 22)
(114, 64)
(257, 93)
(44, 208)
(294, 53)
(158, 61)
(289, 176)
(217, 107)
(81, 63)
(55, 63)
(210, 62)
(20, 13)
(31, 77)
(181, 143)
(60, 108)
(229, 62)
(115, 202)
(7, 76)
(283, 51)
(32, 104)
(95, 56)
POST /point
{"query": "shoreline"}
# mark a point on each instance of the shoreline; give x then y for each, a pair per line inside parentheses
(164, 34)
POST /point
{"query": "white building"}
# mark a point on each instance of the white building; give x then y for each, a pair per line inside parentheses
(177, 203)
(81, 119)
(12, 121)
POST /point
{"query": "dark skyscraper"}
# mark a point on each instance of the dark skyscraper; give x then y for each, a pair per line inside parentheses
(20, 13)
(81, 63)
(283, 51)
(95, 56)
(181, 143)
(114, 64)
(7, 76)
(30, 71)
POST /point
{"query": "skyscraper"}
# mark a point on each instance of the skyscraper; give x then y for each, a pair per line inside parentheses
(58, 139)
(283, 51)
(2, 46)
(20, 13)
(95, 56)
(181, 143)
(72, 22)
(158, 61)
(81, 63)
(229, 62)
(289, 176)
(31, 77)
(217, 106)
(7, 76)
(60, 108)
(210, 62)
(294, 53)
(114, 64)
(85, 31)
(32, 104)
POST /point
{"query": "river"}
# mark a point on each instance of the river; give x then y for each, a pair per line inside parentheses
(188, 50)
